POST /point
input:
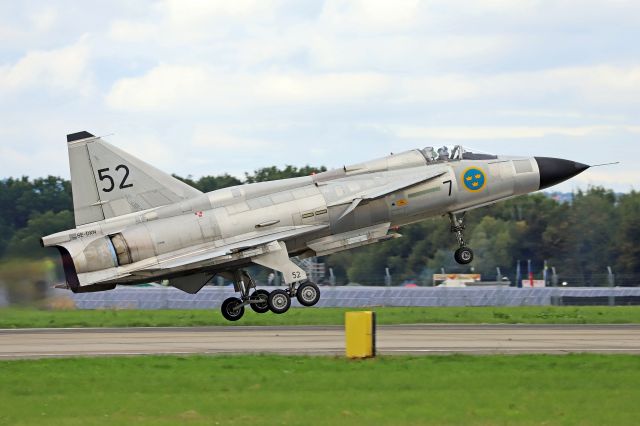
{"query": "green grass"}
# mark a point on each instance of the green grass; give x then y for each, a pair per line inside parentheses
(30, 318)
(257, 390)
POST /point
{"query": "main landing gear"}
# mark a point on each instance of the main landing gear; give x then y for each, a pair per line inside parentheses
(464, 255)
(261, 301)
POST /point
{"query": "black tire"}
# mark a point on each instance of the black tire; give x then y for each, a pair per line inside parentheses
(279, 301)
(464, 255)
(230, 310)
(308, 294)
(263, 306)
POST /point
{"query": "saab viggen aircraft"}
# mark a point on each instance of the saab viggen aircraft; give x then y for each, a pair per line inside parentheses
(136, 224)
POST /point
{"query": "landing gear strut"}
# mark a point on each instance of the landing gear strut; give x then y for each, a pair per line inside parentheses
(464, 255)
(261, 301)
(233, 307)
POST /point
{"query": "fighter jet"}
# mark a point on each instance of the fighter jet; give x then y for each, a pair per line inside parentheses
(136, 224)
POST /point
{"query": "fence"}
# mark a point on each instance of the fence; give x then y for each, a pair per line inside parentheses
(353, 297)
(568, 280)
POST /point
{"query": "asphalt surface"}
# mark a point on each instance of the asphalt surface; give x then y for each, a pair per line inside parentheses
(320, 340)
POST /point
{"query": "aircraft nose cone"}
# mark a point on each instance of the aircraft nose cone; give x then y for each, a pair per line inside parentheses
(556, 170)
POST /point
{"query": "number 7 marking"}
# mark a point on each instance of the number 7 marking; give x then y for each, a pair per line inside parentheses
(450, 185)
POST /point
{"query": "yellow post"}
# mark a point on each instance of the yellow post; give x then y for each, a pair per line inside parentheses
(360, 334)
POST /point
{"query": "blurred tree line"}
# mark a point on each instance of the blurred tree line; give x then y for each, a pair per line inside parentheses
(30, 209)
(580, 239)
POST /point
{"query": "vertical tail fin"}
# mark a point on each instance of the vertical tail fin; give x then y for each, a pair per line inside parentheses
(107, 182)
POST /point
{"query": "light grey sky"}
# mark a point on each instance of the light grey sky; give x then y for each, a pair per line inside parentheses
(207, 87)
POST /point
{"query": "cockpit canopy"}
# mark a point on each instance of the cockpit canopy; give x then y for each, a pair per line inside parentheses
(414, 158)
(454, 153)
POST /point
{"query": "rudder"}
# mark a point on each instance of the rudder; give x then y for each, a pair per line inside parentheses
(107, 182)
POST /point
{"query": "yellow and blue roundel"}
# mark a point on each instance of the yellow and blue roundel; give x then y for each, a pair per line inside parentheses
(474, 179)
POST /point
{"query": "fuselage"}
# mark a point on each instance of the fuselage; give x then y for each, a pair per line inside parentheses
(107, 251)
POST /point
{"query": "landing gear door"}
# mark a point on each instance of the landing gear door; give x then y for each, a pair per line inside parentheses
(279, 261)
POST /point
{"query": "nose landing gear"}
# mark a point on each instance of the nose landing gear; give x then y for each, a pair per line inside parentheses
(464, 255)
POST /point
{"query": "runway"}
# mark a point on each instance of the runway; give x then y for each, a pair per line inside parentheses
(320, 340)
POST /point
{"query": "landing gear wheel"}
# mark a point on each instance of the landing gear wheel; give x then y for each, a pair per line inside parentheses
(279, 301)
(232, 309)
(262, 306)
(464, 255)
(308, 294)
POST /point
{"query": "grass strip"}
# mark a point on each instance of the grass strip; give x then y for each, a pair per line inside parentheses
(265, 390)
(32, 318)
